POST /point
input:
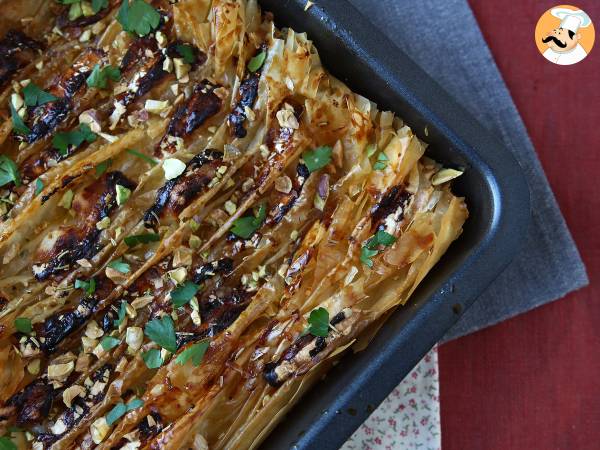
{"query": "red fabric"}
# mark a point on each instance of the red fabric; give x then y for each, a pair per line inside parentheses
(533, 382)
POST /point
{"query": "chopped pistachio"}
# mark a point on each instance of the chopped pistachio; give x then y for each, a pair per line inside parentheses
(230, 207)
(103, 224)
(444, 176)
(99, 430)
(156, 106)
(70, 393)
(178, 275)
(196, 319)
(67, 199)
(93, 331)
(181, 68)
(34, 367)
(122, 194)
(85, 36)
(134, 337)
(283, 184)
(173, 168)
(194, 242)
(60, 371)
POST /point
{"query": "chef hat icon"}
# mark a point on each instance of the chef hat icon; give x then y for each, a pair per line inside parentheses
(570, 19)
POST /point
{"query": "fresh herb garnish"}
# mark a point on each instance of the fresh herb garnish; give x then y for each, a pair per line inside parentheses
(23, 324)
(102, 167)
(381, 238)
(18, 124)
(39, 185)
(88, 286)
(184, 293)
(370, 248)
(138, 239)
(195, 352)
(62, 141)
(34, 96)
(121, 314)
(152, 358)
(109, 342)
(99, 77)
(149, 160)
(97, 5)
(245, 227)
(117, 412)
(318, 322)
(381, 162)
(257, 61)
(365, 256)
(119, 265)
(162, 331)
(9, 173)
(186, 52)
(121, 409)
(138, 17)
(318, 158)
(7, 444)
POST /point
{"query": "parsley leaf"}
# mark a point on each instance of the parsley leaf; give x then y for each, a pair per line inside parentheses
(135, 403)
(152, 358)
(318, 322)
(102, 167)
(121, 315)
(121, 409)
(97, 5)
(370, 248)
(34, 96)
(149, 160)
(195, 352)
(23, 324)
(120, 265)
(245, 227)
(7, 444)
(381, 162)
(62, 141)
(257, 61)
(8, 171)
(365, 256)
(109, 342)
(186, 52)
(117, 412)
(88, 286)
(371, 149)
(137, 239)
(184, 293)
(318, 158)
(99, 77)
(162, 331)
(18, 124)
(139, 17)
(39, 185)
(381, 238)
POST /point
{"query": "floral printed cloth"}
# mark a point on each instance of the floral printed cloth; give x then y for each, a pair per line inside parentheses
(409, 418)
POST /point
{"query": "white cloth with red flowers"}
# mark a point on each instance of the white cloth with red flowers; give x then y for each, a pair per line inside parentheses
(409, 418)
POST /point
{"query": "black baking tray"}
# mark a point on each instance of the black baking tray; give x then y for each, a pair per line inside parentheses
(496, 192)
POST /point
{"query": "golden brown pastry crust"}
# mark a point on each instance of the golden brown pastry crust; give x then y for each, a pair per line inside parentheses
(343, 213)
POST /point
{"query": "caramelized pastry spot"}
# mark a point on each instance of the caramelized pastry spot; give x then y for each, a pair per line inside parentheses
(176, 194)
(63, 247)
(16, 51)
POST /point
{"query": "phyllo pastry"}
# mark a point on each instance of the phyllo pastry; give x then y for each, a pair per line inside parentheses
(196, 222)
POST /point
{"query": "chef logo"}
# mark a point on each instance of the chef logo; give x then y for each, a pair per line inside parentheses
(564, 35)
